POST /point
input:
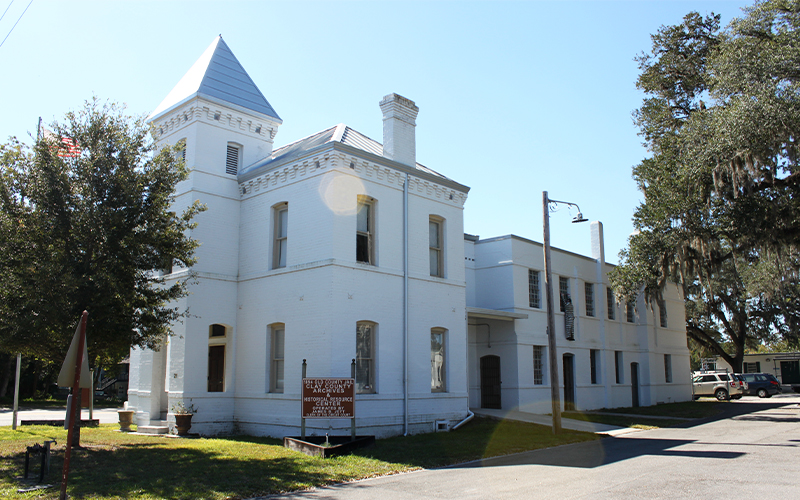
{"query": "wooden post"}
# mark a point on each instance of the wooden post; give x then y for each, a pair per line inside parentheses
(353, 420)
(302, 418)
(551, 318)
(75, 406)
(16, 390)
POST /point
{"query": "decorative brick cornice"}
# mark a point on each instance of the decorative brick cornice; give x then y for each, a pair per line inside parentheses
(217, 115)
(329, 160)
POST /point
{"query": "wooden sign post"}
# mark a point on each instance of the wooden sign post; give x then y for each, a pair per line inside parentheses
(328, 397)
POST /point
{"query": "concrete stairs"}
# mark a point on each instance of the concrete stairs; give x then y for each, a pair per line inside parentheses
(154, 427)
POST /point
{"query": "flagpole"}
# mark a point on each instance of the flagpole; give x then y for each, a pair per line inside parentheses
(75, 406)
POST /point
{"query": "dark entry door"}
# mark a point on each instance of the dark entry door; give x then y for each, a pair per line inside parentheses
(790, 372)
(490, 382)
(216, 368)
(569, 382)
(635, 384)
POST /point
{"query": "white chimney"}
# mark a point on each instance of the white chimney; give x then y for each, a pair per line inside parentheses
(399, 122)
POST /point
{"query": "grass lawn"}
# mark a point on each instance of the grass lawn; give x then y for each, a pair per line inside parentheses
(114, 465)
(637, 417)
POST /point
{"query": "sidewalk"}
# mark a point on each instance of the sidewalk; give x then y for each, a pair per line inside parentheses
(105, 415)
(566, 423)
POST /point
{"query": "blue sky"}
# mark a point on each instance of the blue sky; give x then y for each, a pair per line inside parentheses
(515, 98)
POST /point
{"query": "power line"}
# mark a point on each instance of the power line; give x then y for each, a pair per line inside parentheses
(15, 24)
(4, 13)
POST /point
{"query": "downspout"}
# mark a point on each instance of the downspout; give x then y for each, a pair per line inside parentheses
(405, 306)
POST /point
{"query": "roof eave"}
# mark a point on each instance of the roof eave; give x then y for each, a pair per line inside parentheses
(338, 146)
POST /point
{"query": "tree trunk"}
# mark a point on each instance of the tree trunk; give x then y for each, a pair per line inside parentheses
(7, 369)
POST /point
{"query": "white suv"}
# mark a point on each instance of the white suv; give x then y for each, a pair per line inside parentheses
(722, 386)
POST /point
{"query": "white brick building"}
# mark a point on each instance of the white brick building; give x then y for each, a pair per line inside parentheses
(337, 247)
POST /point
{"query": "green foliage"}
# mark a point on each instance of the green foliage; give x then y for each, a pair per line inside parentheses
(721, 214)
(86, 232)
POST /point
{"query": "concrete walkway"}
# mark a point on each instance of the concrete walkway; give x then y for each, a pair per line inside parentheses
(105, 415)
(566, 423)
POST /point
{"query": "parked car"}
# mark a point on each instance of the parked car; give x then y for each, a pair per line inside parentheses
(723, 386)
(763, 385)
(742, 382)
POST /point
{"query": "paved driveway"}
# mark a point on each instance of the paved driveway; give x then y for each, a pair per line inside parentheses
(751, 451)
(105, 415)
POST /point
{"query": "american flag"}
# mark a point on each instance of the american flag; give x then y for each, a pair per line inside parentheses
(66, 147)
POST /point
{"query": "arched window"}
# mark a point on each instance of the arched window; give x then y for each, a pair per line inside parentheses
(217, 335)
(438, 360)
(365, 357)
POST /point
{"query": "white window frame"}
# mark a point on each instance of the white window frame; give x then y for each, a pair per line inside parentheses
(439, 360)
(280, 235)
(367, 233)
(277, 356)
(436, 248)
(668, 368)
(366, 357)
(563, 288)
(588, 292)
(594, 366)
(539, 361)
(534, 289)
(611, 304)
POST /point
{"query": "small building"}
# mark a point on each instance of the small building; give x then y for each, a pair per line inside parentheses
(616, 354)
(785, 366)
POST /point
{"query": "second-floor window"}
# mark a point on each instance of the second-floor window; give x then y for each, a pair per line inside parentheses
(281, 232)
(436, 253)
(365, 230)
(588, 289)
(563, 292)
(533, 289)
(610, 303)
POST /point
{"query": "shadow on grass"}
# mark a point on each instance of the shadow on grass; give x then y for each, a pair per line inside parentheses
(131, 467)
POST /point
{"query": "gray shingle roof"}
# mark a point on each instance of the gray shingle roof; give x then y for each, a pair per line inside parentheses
(218, 74)
(340, 133)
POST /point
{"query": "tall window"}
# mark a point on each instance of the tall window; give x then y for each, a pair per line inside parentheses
(277, 348)
(365, 357)
(232, 159)
(588, 292)
(594, 362)
(618, 366)
(538, 365)
(281, 230)
(629, 312)
(610, 303)
(435, 247)
(662, 313)
(533, 289)
(563, 292)
(181, 153)
(216, 358)
(438, 360)
(668, 368)
(365, 229)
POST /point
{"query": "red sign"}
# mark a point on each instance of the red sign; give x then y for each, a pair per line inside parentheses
(329, 397)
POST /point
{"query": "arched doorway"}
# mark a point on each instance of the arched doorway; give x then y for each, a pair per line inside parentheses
(490, 382)
(569, 382)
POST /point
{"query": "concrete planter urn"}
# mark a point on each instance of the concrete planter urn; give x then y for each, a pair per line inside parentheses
(183, 417)
(183, 422)
(125, 420)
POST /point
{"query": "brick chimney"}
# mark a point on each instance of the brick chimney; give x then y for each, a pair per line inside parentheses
(399, 123)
